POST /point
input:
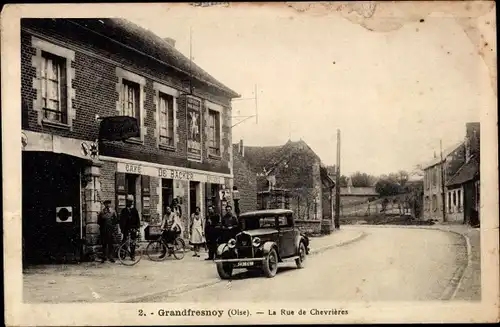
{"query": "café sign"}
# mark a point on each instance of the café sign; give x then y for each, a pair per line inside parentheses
(169, 173)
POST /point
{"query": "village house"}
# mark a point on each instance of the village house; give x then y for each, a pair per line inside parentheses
(463, 188)
(75, 74)
(460, 169)
(292, 176)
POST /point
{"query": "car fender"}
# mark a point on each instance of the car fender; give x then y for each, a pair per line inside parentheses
(266, 248)
(301, 238)
(222, 248)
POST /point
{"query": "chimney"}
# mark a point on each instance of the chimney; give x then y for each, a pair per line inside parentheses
(241, 148)
(170, 41)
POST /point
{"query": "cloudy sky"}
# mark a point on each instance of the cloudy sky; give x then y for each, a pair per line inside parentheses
(393, 94)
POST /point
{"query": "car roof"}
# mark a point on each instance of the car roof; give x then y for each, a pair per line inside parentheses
(266, 213)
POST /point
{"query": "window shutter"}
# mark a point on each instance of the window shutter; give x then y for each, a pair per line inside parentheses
(121, 191)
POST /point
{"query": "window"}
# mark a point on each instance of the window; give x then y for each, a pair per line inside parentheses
(434, 203)
(54, 91)
(267, 222)
(459, 195)
(166, 112)
(284, 221)
(131, 99)
(454, 198)
(214, 132)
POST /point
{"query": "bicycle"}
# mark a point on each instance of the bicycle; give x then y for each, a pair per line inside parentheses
(124, 250)
(157, 249)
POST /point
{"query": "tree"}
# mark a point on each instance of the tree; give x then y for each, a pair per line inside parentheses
(362, 180)
(402, 177)
(387, 187)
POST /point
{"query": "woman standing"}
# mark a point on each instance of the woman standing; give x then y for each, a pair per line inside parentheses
(197, 232)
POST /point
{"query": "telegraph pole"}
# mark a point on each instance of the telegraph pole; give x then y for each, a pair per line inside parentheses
(337, 185)
(443, 195)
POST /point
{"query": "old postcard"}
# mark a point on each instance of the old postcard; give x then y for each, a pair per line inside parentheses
(250, 163)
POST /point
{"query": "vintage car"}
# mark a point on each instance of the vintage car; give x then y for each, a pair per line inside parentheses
(267, 238)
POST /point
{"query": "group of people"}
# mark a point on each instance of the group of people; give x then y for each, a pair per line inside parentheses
(129, 222)
(212, 231)
(208, 232)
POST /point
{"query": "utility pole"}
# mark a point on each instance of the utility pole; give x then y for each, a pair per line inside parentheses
(443, 195)
(337, 185)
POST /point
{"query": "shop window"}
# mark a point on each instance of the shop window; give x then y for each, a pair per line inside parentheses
(54, 91)
(166, 113)
(434, 203)
(214, 133)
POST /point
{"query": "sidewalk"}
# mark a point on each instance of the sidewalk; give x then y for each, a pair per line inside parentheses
(113, 282)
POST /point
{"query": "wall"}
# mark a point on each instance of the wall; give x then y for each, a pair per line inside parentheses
(245, 180)
(309, 227)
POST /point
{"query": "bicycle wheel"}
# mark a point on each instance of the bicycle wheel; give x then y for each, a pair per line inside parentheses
(156, 250)
(178, 249)
(125, 254)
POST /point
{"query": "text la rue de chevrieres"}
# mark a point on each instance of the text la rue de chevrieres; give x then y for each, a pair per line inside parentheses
(218, 313)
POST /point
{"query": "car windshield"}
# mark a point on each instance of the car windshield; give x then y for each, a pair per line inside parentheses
(259, 222)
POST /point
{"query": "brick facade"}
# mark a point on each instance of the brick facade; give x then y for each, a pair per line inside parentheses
(95, 68)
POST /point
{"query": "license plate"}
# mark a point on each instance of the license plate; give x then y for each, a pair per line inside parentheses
(244, 264)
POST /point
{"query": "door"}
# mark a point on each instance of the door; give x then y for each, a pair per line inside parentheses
(286, 236)
(50, 182)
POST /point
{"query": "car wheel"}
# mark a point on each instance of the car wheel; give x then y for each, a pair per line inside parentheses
(302, 256)
(270, 265)
(225, 270)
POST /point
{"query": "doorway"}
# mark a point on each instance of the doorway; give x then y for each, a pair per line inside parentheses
(194, 200)
(167, 193)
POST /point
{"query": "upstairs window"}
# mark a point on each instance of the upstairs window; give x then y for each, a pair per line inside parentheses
(130, 99)
(54, 91)
(214, 132)
(166, 111)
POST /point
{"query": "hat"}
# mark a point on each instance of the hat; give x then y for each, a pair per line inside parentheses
(106, 201)
(130, 197)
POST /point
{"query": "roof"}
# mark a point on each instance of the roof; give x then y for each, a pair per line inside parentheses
(358, 191)
(467, 172)
(446, 153)
(150, 44)
(266, 213)
(258, 157)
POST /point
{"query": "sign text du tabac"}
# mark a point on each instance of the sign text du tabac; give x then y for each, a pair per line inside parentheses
(168, 173)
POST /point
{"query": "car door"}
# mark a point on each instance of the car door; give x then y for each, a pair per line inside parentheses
(286, 236)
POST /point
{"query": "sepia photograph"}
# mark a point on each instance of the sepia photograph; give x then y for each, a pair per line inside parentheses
(250, 163)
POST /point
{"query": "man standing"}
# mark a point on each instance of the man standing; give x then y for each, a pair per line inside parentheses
(212, 231)
(107, 220)
(229, 224)
(130, 224)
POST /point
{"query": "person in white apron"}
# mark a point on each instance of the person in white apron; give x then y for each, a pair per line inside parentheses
(197, 232)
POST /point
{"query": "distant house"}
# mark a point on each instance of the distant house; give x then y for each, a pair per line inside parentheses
(463, 187)
(434, 171)
(460, 169)
(356, 195)
(293, 173)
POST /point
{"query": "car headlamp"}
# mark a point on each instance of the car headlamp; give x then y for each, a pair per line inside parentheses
(256, 242)
(232, 243)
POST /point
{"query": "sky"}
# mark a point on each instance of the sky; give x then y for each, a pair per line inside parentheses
(393, 95)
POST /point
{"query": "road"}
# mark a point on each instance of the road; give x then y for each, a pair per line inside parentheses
(389, 264)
